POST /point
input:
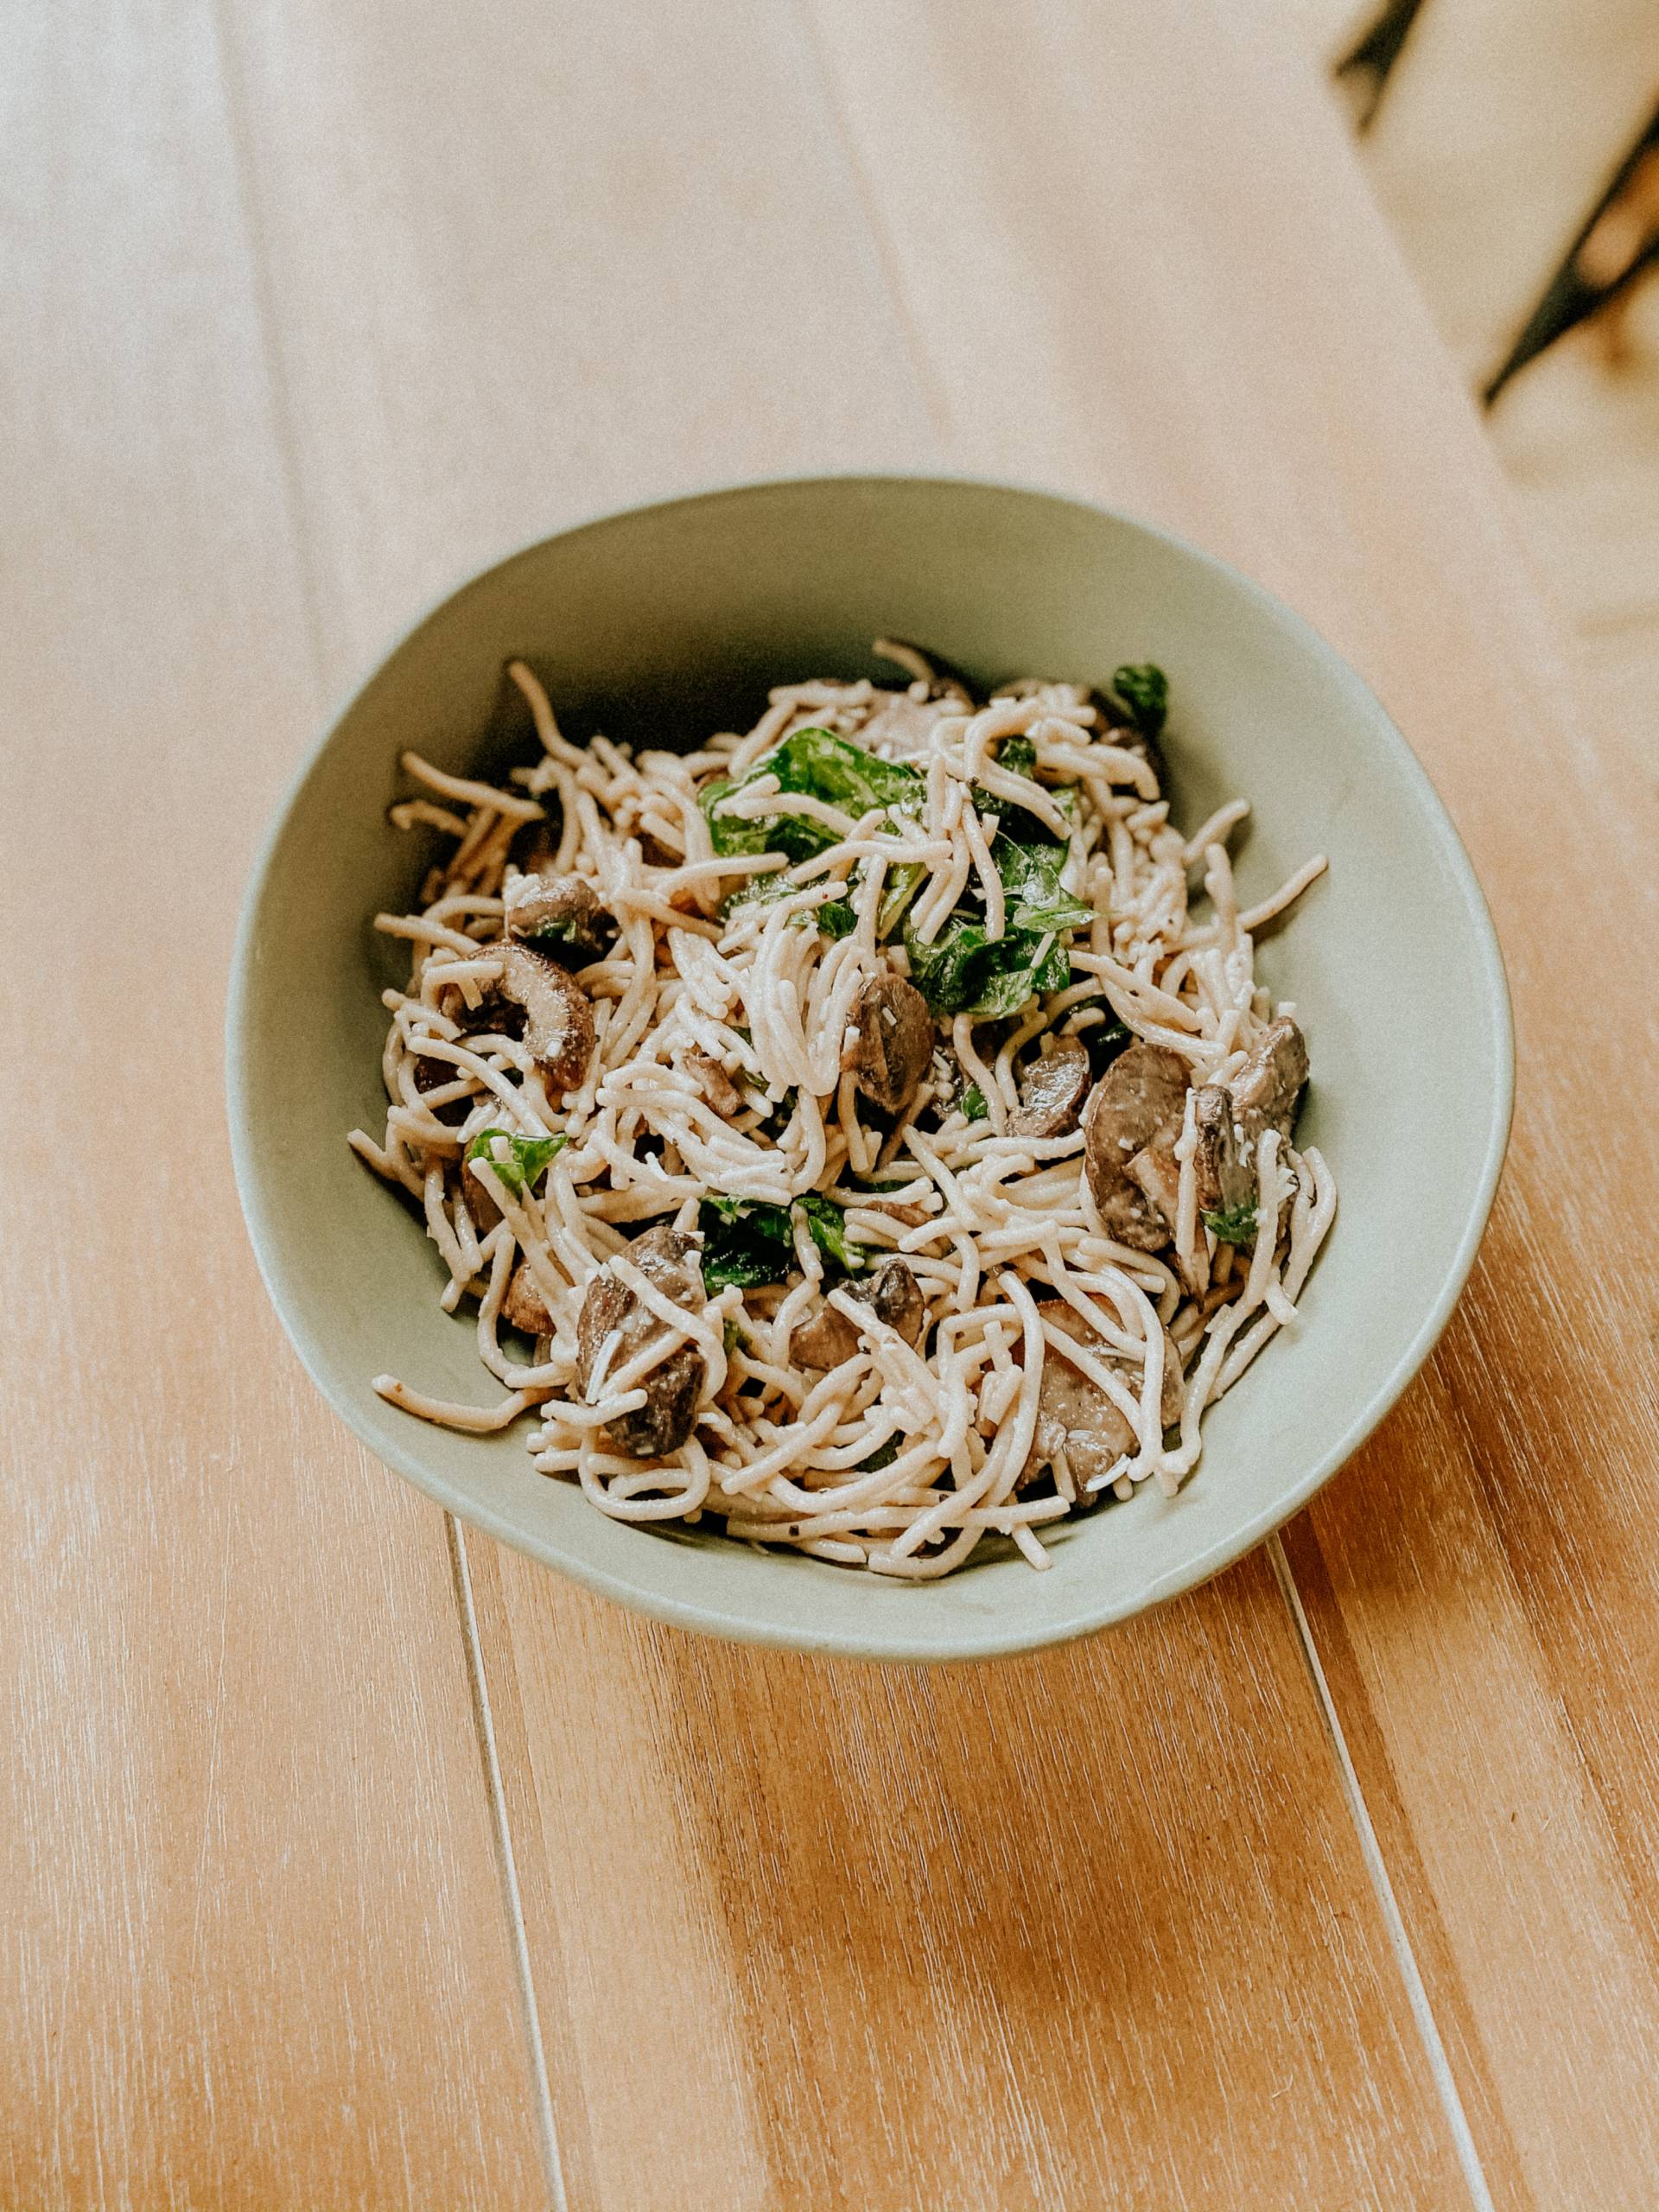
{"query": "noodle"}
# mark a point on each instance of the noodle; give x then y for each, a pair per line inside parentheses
(718, 937)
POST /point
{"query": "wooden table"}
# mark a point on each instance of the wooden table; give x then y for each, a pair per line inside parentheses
(353, 1861)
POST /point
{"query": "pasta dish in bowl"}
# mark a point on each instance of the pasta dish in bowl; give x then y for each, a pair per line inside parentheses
(832, 1155)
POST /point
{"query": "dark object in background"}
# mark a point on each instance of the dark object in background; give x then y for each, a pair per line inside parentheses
(1363, 71)
(1616, 245)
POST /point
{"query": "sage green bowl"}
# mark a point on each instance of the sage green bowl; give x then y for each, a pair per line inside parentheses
(670, 621)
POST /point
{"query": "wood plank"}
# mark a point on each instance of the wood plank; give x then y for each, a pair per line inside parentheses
(255, 1952)
(831, 1917)
(1489, 1563)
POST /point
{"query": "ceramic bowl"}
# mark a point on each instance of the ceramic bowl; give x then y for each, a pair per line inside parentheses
(670, 621)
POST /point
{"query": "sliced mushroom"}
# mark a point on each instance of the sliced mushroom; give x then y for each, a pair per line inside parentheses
(892, 1295)
(668, 1258)
(1230, 1118)
(559, 915)
(1051, 1092)
(432, 1074)
(1076, 1420)
(1268, 1089)
(1156, 1173)
(949, 1083)
(524, 1306)
(558, 1018)
(1223, 1179)
(1138, 1104)
(890, 1041)
(714, 1083)
(493, 1016)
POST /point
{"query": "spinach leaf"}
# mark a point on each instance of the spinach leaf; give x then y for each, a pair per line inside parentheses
(814, 764)
(1232, 1225)
(1142, 690)
(962, 972)
(828, 1226)
(530, 1155)
(1019, 756)
(972, 1104)
(903, 883)
(758, 890)
(748, 1243)
(835, 918)
(1031, 884)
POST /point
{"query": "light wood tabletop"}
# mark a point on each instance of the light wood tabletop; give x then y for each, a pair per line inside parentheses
(352, 1860)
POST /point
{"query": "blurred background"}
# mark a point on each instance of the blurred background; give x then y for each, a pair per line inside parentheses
(1514, 148)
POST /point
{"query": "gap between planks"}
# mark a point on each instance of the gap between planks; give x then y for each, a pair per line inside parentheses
(1371, 1849)
(232, 80)
(1422, 2012)
(506, 1866)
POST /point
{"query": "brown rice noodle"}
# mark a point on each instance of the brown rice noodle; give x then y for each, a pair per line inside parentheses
(985, 1220)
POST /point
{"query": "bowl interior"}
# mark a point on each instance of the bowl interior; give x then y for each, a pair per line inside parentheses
(670, 621)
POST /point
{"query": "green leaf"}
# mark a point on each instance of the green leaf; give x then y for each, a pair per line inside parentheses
(972, 1104)
(828, 1227)
(819, 764)
(772, 833)
(1232, 1225)
(883, 1456)
(530, 1155)
(902, 884)
(1031, 884)
(1142, 690)
(758, 890)
(835, 918)
(1019, 756)
(812, 764)
(964, 972)
(567, 930)
(749, 1243)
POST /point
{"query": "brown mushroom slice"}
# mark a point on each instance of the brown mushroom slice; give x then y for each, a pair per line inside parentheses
(892, 1295)
(1156, 1173)
(714, 1083)
(890, 1041)
(524, 1306)
(1223, 1179)
(432, 1074)
(1138, 1102)
(1268, 1089)
(1051, 1092)
(559, 915)
(558, 1018)
(494, 1015)
(1077, 1420)
(668, 1258)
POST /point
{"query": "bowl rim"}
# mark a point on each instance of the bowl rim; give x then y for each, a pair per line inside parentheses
(965, 1643)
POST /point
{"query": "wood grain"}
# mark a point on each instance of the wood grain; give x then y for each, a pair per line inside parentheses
(1091, 1928)
(1503, 123)
(1491, 1559)
(870, 1939)
(254, 1948)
